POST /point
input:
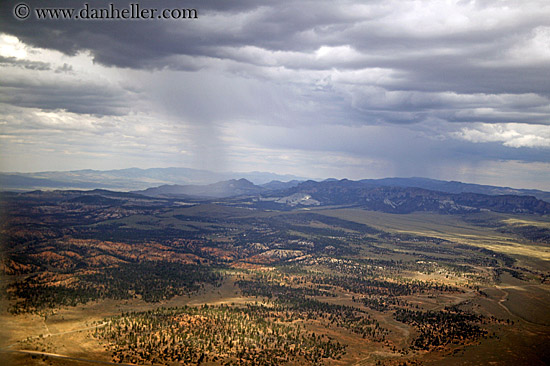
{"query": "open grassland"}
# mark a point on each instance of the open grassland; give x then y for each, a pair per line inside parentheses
(451, 228)
(531, 303)
(530, 222)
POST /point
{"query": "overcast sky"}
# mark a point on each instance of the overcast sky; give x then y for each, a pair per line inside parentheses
(359, 89)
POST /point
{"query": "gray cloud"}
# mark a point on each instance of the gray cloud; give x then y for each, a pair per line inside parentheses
(84, 98)
(30, 65)
(416, 84)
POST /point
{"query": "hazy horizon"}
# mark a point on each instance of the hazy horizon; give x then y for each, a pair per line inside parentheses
(455, 90)
(282, 176)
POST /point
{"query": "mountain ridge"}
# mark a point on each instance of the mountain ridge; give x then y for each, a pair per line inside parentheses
(457, 187)
(305, 195)
(223, 189)
(128, 179)
(136, 179)
(394, 199)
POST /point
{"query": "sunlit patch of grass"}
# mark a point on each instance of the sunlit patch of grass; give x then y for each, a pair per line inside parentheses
(522, 222)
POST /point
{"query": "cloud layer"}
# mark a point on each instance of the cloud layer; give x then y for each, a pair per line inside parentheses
(445, 89)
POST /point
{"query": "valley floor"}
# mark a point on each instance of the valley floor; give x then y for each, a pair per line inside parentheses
(218, 285)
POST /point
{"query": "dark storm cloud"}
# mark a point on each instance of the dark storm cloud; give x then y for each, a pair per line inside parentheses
(430, 53)
(136, 43)
(464, 81)
(463, 76)
(283, 25)
(76, 98)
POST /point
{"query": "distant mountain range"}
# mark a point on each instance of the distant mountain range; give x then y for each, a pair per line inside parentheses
(278, 195)
(393, 199)
(398, 195)
(237, 187)
(127, 179)
(366, 194)
(456, 187)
